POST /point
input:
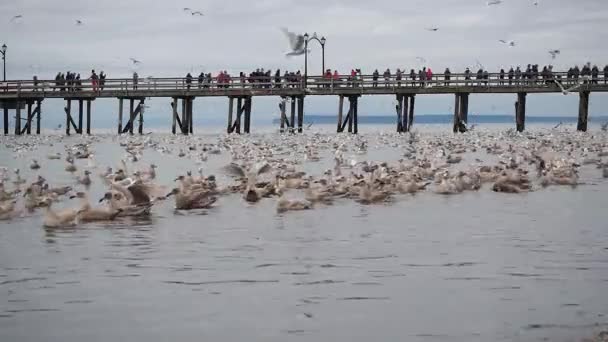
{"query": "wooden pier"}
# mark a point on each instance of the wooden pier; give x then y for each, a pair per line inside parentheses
(18, 95)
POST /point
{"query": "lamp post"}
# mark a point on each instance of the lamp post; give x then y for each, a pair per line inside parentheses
(4, 59)
(321, 41)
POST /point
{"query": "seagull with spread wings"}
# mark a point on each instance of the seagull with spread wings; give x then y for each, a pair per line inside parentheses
(510, 43)
(135, 61)
(296, 43)
(554, 53)
(197, 13)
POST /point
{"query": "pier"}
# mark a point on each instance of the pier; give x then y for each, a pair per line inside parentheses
(26, 97)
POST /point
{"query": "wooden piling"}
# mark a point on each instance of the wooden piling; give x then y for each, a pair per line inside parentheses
(230, 110)
(456, 112)
(351, 113)
(283, 115)
(38, 113)
(239, 112)
(356, 115)
(399, 110)
(247, 114)
(29, 118)
(140, 129)
(300, 113)
(68, 116)
(520, 112)
(191, 123)
(18, 119)
(89, 117)
(293, 114)
(411, 112)
(5, 121)
(184, 120)
(464, 107)
(131, 117)
(583, 111)
(80, 114)
(120, 108)
(404, 109)
(340, 112)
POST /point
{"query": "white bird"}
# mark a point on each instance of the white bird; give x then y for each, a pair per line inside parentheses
(432, 29)
(135, 61)
(296, 43)
(574, 87)
(421, 59)
(554, 53)
(494, 2)
(187, 9)
(79, 22)
(16, 17)
(510, 42)
(197, 13)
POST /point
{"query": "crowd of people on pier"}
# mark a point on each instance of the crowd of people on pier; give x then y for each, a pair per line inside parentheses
(532, 74)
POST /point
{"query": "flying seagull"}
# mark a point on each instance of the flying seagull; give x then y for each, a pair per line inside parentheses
(78, 22)
(199, 13)
(510, 42)
(16, 17)
(296, 43)
(494, 2)
(433, 29)
(554, 53)
(135, 61)
(421, 59)
(574, 87)
(187, 9)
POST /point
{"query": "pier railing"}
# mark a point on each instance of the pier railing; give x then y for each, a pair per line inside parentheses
(314, 84)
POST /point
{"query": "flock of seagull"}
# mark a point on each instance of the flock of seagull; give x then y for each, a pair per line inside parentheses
(271, 167)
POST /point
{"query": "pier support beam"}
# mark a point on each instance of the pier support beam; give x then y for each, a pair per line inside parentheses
(351, 117)
(30, 117)
(18, 119)
(583, 111)
(340, 112)
(120, 107)
(69, 120)
(292, 128)
(410, 121)
(520, 112)
(243, 108)
(89, 117)
(405, 112)
(134, 113)
(283, 110)
(461, 108)
(300, 113)
(5, 121)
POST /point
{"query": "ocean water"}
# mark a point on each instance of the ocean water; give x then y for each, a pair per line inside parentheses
(479, 266)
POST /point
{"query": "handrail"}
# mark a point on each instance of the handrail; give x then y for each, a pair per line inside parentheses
(314, 83)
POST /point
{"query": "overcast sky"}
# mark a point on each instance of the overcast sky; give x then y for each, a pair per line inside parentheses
(240, 35)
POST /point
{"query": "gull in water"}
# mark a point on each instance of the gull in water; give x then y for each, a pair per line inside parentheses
(296, 43)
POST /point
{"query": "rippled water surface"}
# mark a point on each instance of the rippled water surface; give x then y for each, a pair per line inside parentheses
(480, 266)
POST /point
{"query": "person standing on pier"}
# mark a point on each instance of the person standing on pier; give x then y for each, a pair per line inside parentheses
(486, 77)
(467, 75)
(422, 76)
(277, 79)
(188, 81)
(429, 74)
(57, 79)
(501, 76)
(479, 77)
(446, 76)
(94, 80)
(575, 73)
(413, 77)
(102, 80)
(517, 75)
(398, 76)
(135, 80)
(376, 75)
(201, 78)
(387, 77)
(511, 74)
(78, 83)
(595, 74)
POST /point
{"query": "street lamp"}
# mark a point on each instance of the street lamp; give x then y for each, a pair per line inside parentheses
(321, 41)
(4, 59)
